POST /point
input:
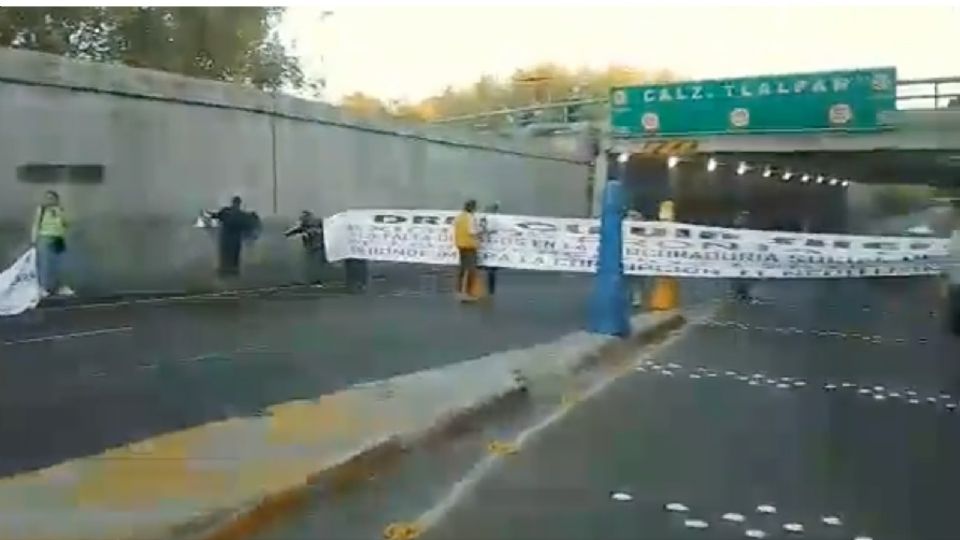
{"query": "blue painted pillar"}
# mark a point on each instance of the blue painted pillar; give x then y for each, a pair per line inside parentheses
(609, 305)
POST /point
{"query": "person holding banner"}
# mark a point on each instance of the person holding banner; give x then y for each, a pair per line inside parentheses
(236, 226)
(465, 236)
(741, 286)
(49, 236)
(638, 284)
(310, 230)
(953, 276)
(489, 226)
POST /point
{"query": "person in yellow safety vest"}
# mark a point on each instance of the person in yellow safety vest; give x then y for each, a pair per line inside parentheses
(49, 236)
(465, 236)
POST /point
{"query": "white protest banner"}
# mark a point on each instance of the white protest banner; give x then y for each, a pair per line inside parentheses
(650, 247)
(19, 286)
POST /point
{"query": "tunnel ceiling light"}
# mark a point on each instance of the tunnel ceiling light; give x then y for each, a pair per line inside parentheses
(623, 157)
(805, 178)
(672, 161)
(834, 181)
(711, 165)
(820, 179)
(767, 172)
(742, 168)
(787, 175)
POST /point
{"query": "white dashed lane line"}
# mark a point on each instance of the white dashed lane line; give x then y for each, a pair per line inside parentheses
(909, 396)
(750, 523)
(72, 335)
(792, 330)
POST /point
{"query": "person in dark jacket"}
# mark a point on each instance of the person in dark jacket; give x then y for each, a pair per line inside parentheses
(236, 225)
(742, 286)
(310, 230)
(488, 226)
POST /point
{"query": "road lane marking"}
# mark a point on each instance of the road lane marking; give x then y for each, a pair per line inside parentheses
(766, 509)
(240, 294)
(832, 521)
(874, 339)
(876, 392)
(72, 335)
(479, 471)
(793, 527)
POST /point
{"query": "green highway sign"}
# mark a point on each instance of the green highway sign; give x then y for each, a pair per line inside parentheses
(851, 100)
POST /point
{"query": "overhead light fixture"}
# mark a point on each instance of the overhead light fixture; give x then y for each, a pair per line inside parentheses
(742, 168)
(820, 179)
(711, 165)
(845, 183)
(833, 181)
(767, 172)
(623, 157)
(672, 161)
(787, 175)
(805, 178)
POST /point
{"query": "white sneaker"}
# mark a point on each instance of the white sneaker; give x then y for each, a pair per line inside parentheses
(65, 291)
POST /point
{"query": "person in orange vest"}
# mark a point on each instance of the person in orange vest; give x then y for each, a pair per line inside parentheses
(465, 237)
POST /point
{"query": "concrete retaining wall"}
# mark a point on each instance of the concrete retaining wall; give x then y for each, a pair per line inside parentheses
(171, 146)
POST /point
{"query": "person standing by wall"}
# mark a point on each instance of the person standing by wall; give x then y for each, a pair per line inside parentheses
(49, 235)
(310, 230)
(489, 226)
(741, 286)
(953, 273)
(465, 237)
(638, 284)
(236, 225)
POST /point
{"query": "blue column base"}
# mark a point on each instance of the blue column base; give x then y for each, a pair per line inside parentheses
(609, 311)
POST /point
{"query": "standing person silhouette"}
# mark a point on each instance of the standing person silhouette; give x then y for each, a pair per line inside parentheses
(488, 227)
(49, 235)
(465, 237)
(236, 225)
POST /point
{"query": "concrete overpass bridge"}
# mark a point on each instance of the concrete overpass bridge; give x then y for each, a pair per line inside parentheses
(920, 145)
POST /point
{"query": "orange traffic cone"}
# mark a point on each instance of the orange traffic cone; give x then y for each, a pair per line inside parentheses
(665, 294)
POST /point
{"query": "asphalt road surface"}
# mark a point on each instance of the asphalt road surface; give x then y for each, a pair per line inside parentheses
(75, 381)
(832, 402)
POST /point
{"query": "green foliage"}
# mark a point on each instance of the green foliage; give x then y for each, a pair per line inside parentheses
(237, 44)
(542, 83)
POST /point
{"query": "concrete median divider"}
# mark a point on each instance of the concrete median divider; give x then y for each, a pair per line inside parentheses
(227, 479)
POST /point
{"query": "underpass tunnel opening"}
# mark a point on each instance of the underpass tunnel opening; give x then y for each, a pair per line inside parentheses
(715, 193)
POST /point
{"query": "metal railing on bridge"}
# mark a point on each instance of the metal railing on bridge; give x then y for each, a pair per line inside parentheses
(912, 94)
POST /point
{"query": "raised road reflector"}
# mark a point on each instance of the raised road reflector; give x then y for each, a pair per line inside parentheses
(402, 531)
(500, 448)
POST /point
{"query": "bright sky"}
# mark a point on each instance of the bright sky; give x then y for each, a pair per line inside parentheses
(409, 53)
